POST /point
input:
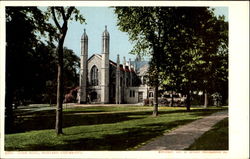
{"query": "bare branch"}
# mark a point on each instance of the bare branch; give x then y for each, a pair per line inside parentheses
(63, 13)
(70, 10)
(54, 18)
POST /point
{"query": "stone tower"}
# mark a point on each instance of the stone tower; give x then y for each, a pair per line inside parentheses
(130, 73)
(125, 73)
(83, 69)
(118, 77)
(105, 67)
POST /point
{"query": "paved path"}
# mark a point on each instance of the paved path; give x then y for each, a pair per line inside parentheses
(182, 137)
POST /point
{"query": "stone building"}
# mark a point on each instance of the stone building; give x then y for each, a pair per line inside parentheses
(105, 81)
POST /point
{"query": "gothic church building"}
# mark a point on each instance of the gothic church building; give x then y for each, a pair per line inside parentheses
(104, 81)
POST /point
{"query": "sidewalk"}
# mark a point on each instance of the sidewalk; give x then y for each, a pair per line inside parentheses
(182, 137)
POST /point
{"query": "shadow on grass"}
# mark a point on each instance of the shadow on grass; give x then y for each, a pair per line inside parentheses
(123, 141)
(216, 138)
(46, 119)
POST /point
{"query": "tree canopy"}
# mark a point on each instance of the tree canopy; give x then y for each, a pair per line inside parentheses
(183, 43)
(31, 60)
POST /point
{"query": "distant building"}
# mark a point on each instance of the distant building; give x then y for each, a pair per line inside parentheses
(104, 81)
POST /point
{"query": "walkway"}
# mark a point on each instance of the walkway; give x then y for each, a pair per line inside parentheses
(182, 137)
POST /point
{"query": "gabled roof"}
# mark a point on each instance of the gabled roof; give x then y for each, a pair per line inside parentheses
(97, 55)
(142, 65)
(100, 57)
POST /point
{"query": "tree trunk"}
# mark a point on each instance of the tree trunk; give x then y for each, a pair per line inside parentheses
(155, 112)
(205, 99)
(156, 60)
(9, 117)
(172, 99)
(63, 32)
(188, 101)
(156, 89)
(59, 109)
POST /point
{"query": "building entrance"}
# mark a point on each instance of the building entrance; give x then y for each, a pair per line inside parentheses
(140, 97)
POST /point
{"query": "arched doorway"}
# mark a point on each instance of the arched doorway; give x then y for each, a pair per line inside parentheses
(93, 97)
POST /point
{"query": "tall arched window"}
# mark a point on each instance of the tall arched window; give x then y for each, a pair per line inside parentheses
(94, 76)
(151, 94)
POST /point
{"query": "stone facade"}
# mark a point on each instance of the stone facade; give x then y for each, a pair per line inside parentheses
(104, 81)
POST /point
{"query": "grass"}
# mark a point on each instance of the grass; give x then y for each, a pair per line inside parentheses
(214, 139)
(97, 128)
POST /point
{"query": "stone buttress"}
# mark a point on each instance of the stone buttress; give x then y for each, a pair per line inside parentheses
(118, 81)
(105, 67)
(83, 69)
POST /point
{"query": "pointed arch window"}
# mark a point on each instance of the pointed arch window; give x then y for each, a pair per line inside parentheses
(94, 76)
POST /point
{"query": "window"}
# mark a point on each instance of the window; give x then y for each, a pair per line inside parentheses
(127, 82)
(151, 94)
(94, 76)
(121, 81)
(132, 93)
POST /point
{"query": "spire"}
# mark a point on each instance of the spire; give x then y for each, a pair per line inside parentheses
(84, 35)
(124, 61)
(118, 60)
(105, 33)
(129, 64)
(135, 66)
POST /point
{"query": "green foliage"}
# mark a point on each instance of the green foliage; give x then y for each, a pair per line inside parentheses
(31, 62)
(147, 27)
(61, 16)
(24, 26)
(188, 45)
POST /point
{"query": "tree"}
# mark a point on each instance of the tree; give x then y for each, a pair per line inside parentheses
(146, 27)
(65, 14)
(180, 40)
(24, 26)
(32, 60)
(47, 72)
(192, 49)
(71, 65)
(217, 75)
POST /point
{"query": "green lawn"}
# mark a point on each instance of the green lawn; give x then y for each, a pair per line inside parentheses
(214, 139)
(97, 128)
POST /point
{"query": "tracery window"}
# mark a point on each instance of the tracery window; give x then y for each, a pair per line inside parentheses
(94, 76)
(151, 94)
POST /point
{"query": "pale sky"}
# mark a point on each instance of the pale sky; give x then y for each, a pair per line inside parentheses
(96, 19)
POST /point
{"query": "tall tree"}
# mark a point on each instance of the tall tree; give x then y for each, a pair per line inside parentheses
(179, 39)
(185, 43)
(215, 56)
(146, 27)
(24, 26)
(65, 14)
(192, 46)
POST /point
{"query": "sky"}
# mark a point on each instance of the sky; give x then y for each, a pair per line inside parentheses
(96, 19)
